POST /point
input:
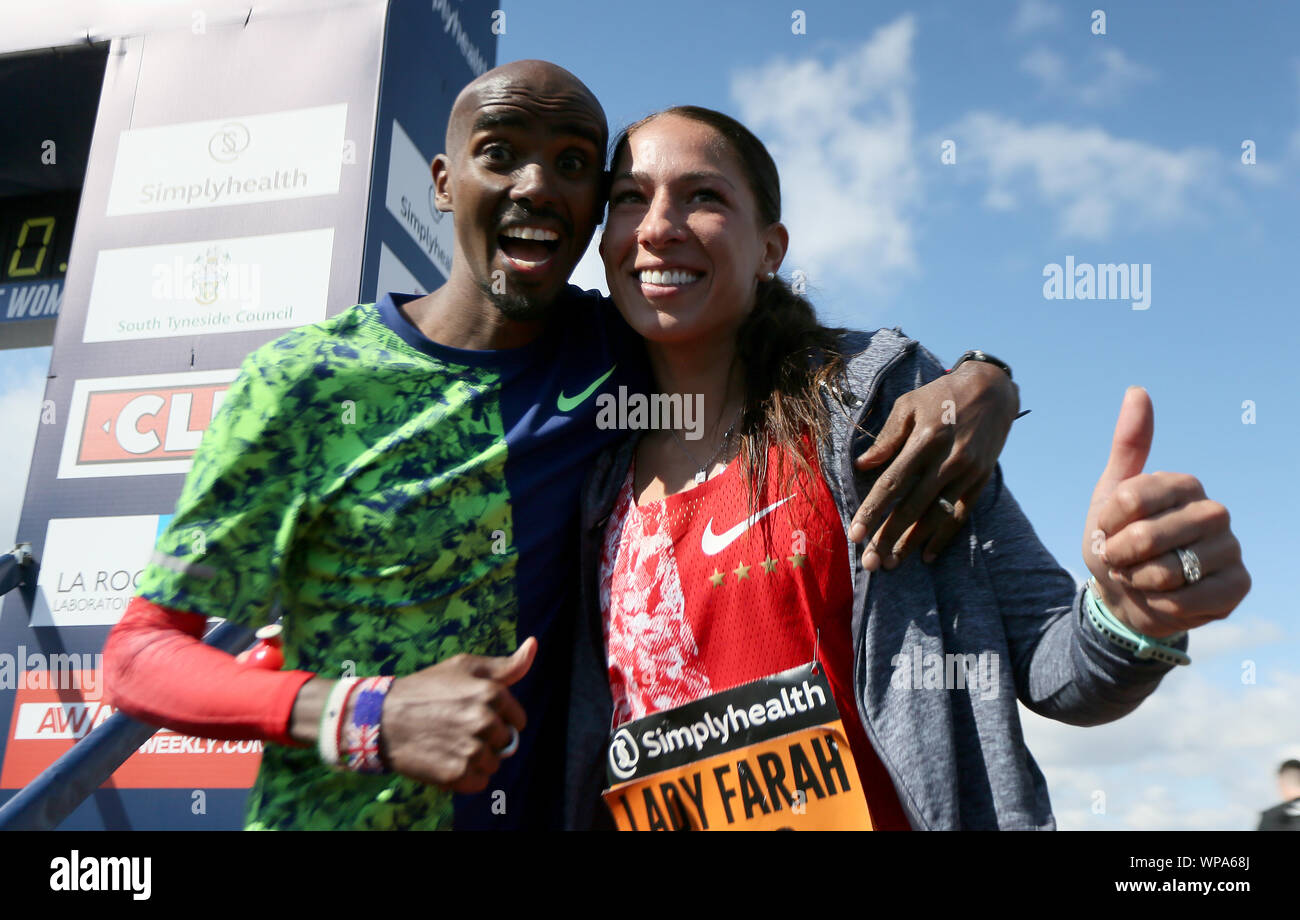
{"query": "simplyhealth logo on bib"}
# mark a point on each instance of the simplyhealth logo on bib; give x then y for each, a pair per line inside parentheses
(767, 755)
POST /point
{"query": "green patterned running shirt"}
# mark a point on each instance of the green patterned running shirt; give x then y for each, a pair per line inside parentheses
(358, 483)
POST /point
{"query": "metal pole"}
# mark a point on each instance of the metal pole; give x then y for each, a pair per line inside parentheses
(14, 566)
(47, 801)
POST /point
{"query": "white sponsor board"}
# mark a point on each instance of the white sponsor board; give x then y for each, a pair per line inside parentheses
(58, 721)
(410, 199)
(395, 276)
(276, 281)
(90, 566)
(296, 153)
(73, 721)
(143, 425)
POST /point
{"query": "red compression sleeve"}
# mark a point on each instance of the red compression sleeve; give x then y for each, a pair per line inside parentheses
(157, 669)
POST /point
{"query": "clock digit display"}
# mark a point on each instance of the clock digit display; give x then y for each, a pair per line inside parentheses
(36, 235)
(33, 270)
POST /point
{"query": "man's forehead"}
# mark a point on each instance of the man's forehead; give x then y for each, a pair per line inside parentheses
(535, 95)
(553, 121)
(551, 98)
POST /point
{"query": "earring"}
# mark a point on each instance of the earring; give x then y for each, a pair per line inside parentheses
(770, 276)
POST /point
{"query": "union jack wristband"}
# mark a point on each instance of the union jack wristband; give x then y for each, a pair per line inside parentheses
(360, 748)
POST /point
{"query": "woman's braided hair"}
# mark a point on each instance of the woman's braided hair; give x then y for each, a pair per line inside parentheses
(788, 356)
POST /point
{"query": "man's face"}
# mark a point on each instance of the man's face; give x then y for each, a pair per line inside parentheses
(525, 187)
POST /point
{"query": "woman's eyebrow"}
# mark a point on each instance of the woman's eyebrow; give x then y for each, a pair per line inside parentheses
(703, 175)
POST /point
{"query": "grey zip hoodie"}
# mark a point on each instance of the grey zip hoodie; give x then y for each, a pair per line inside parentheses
(995, 596)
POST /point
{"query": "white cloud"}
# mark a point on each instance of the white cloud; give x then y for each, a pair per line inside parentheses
(1200, 753)
(1116, 76)
(1106, 76)
(1231, 635)
(20, 404)
(1092, 179)
(1032, 15)
(1046, 65)
(841, 132)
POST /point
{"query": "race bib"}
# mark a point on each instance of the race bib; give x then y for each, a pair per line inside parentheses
(767, 755)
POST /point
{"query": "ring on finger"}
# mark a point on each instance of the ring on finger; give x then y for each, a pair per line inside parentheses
(947, 506)
(1191, 564)
(512, 746)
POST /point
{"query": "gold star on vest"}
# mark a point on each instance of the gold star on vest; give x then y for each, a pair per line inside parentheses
(797, 560)
(717, 578)
(769, 565)
(742, 571)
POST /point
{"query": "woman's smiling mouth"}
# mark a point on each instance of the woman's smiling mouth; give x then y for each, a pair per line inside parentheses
(665, 282)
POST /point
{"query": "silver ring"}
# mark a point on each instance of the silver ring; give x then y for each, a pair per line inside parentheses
(513, 746)
(947, 506)
(1191, 565)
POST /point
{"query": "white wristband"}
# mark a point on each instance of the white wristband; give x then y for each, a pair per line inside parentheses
(330, 720)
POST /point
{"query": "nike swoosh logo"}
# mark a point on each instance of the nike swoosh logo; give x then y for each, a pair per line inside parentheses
(714, 543)
(569, 403)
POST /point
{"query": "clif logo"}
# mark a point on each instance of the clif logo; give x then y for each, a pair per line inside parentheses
(132, 430)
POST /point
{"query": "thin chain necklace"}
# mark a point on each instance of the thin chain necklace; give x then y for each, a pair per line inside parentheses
(703, 473)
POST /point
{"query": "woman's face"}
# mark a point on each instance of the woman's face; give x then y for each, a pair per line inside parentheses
(683, 248)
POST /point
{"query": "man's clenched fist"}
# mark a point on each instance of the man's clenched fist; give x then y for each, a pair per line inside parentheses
(447, 724)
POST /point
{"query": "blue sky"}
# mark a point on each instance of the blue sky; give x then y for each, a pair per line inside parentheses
(1123, 147)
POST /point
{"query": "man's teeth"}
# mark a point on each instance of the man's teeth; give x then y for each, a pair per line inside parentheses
(668, 277)
(531, 233)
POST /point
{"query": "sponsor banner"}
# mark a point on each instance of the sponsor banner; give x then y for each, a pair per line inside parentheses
(30, 300)
(90, 567)
(141, 425)
(768, 755)
(395, 276)
(51, 714)
(409, 199)
(296, 153)
(209, 286)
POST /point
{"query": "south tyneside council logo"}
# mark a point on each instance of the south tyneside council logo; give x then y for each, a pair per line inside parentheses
(210, 273)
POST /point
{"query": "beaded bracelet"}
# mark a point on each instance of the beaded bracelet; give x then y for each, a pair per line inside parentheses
(1141, 646)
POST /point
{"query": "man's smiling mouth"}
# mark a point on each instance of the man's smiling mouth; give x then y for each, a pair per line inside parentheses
(527, 247)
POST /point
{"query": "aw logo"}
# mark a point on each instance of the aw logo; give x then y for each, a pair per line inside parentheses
(229, 141)
(139, 426)
(623, 754)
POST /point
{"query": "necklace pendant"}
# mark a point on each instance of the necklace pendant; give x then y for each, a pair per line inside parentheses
(700, 477)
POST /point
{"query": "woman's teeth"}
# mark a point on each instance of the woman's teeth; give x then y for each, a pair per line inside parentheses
(672, 277)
